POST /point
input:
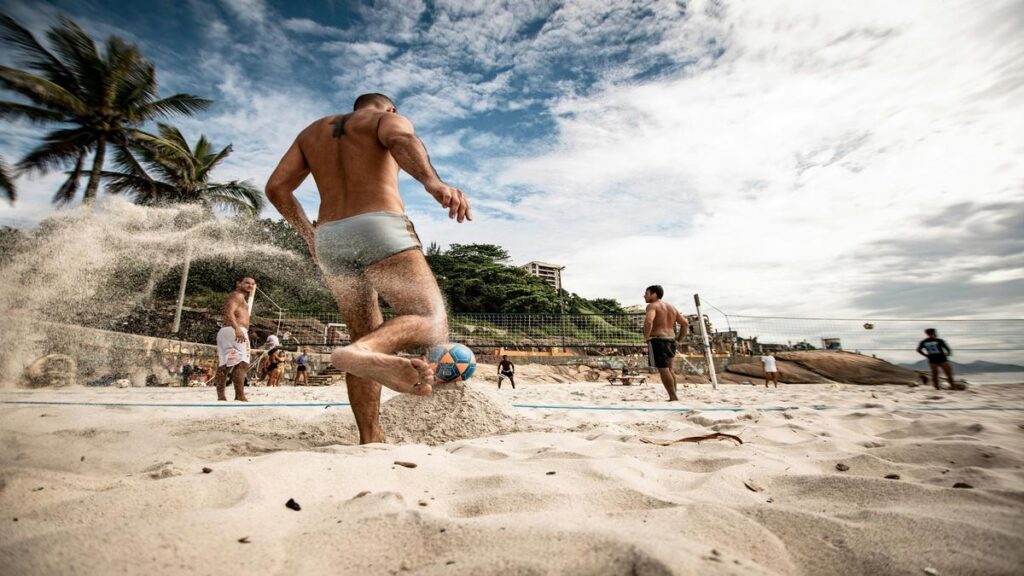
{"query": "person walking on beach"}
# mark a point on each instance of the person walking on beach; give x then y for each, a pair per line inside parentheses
(367, 247)
(937, 352)
(507, 370)
(771, 371)
(659, 333)
(302, 369)
(233, 340)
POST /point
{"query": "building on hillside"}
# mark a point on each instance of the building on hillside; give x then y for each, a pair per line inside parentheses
(550, 273)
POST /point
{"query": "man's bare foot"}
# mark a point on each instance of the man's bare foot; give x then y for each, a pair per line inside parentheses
(222, 399)
(411, 376)
(242, 399)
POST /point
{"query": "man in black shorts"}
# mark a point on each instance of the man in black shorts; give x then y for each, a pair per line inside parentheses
(937, 352)
(506, 369)
(659, 333)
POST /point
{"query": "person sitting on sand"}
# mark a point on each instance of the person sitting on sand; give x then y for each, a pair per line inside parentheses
(659, 333)
(233, 340)
(771, 371)
(506, 369)
(937, 352)
(367, 247)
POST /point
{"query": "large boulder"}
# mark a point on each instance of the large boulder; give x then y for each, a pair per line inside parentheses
(850, 368)
(789, 372)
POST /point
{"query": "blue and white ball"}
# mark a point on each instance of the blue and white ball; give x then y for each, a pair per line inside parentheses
(452, 362)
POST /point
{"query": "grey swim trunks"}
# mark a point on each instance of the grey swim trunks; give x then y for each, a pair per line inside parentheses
(346, 247)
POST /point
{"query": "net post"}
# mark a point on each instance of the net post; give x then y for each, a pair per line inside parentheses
(176, 325)
(709, 357)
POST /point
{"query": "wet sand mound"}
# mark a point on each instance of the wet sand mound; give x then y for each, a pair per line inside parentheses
(450, 412)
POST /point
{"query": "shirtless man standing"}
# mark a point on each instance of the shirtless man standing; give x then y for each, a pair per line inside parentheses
(659, 333)
(233, 340)
(366, 246)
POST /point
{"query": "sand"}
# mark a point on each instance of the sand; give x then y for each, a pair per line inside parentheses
(498, 489)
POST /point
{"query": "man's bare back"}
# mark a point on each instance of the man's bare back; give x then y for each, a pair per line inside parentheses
(666, 316)
(353, 171)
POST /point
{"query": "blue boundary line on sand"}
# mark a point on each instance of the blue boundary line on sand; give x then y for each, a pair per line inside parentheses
(159, 405)
(534, 406)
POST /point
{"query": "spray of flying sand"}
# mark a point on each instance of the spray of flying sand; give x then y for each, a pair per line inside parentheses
(94, 266)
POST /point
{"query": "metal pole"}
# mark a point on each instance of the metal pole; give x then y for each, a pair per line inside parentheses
(176, 325)
(707, 345)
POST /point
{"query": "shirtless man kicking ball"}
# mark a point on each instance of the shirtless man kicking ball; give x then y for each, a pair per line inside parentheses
(366, 246)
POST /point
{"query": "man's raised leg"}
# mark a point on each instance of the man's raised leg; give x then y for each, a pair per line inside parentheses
(406, 283)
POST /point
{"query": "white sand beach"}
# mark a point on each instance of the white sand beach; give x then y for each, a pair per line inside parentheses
(499, 489)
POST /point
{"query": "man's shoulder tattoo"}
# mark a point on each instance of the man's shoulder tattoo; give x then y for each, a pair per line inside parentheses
(339, 126)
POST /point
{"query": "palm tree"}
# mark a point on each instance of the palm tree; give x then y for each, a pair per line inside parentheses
(100, 98)
(164, 169)
(182, 175)
(7, 182)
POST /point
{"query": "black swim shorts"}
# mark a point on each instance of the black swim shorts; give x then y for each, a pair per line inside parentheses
(660, 352)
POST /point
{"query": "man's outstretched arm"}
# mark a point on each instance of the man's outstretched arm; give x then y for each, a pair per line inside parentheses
(290, 172)
(396, 133)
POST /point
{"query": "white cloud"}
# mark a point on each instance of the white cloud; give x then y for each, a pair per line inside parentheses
(307, 26)
(761, 181)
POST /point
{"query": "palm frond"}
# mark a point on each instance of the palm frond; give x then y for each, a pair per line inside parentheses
(140, 86)
(78, 52)
(240, 197)
(42, 91)
(35, 56)
(210, 161)
(12, 110)
(69, 189)
(58, 148)
(184, 104)
(7, 182)
(121, 62)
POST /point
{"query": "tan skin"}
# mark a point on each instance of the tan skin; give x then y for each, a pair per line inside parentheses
(236, 315)
(354, 159)
(660, 322)
(274, 376)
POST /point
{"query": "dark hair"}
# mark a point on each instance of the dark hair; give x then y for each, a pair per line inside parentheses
(238, 279)
(658, 290)
(371, 99)
(931, 332)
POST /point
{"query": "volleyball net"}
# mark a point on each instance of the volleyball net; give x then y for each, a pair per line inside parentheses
(995, 340)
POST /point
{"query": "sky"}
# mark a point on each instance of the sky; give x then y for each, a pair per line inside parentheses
(798, 158)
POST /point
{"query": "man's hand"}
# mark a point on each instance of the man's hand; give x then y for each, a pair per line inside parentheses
(240, 336)
(451, 198)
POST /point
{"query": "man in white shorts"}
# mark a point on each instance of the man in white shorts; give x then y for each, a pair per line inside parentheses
(233, 340)
(771, 371)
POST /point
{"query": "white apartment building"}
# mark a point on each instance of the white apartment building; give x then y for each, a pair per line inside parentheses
(550, 273)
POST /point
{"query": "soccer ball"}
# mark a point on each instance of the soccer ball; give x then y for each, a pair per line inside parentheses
(451, 362)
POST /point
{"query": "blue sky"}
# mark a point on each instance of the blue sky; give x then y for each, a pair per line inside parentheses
(802, 158)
